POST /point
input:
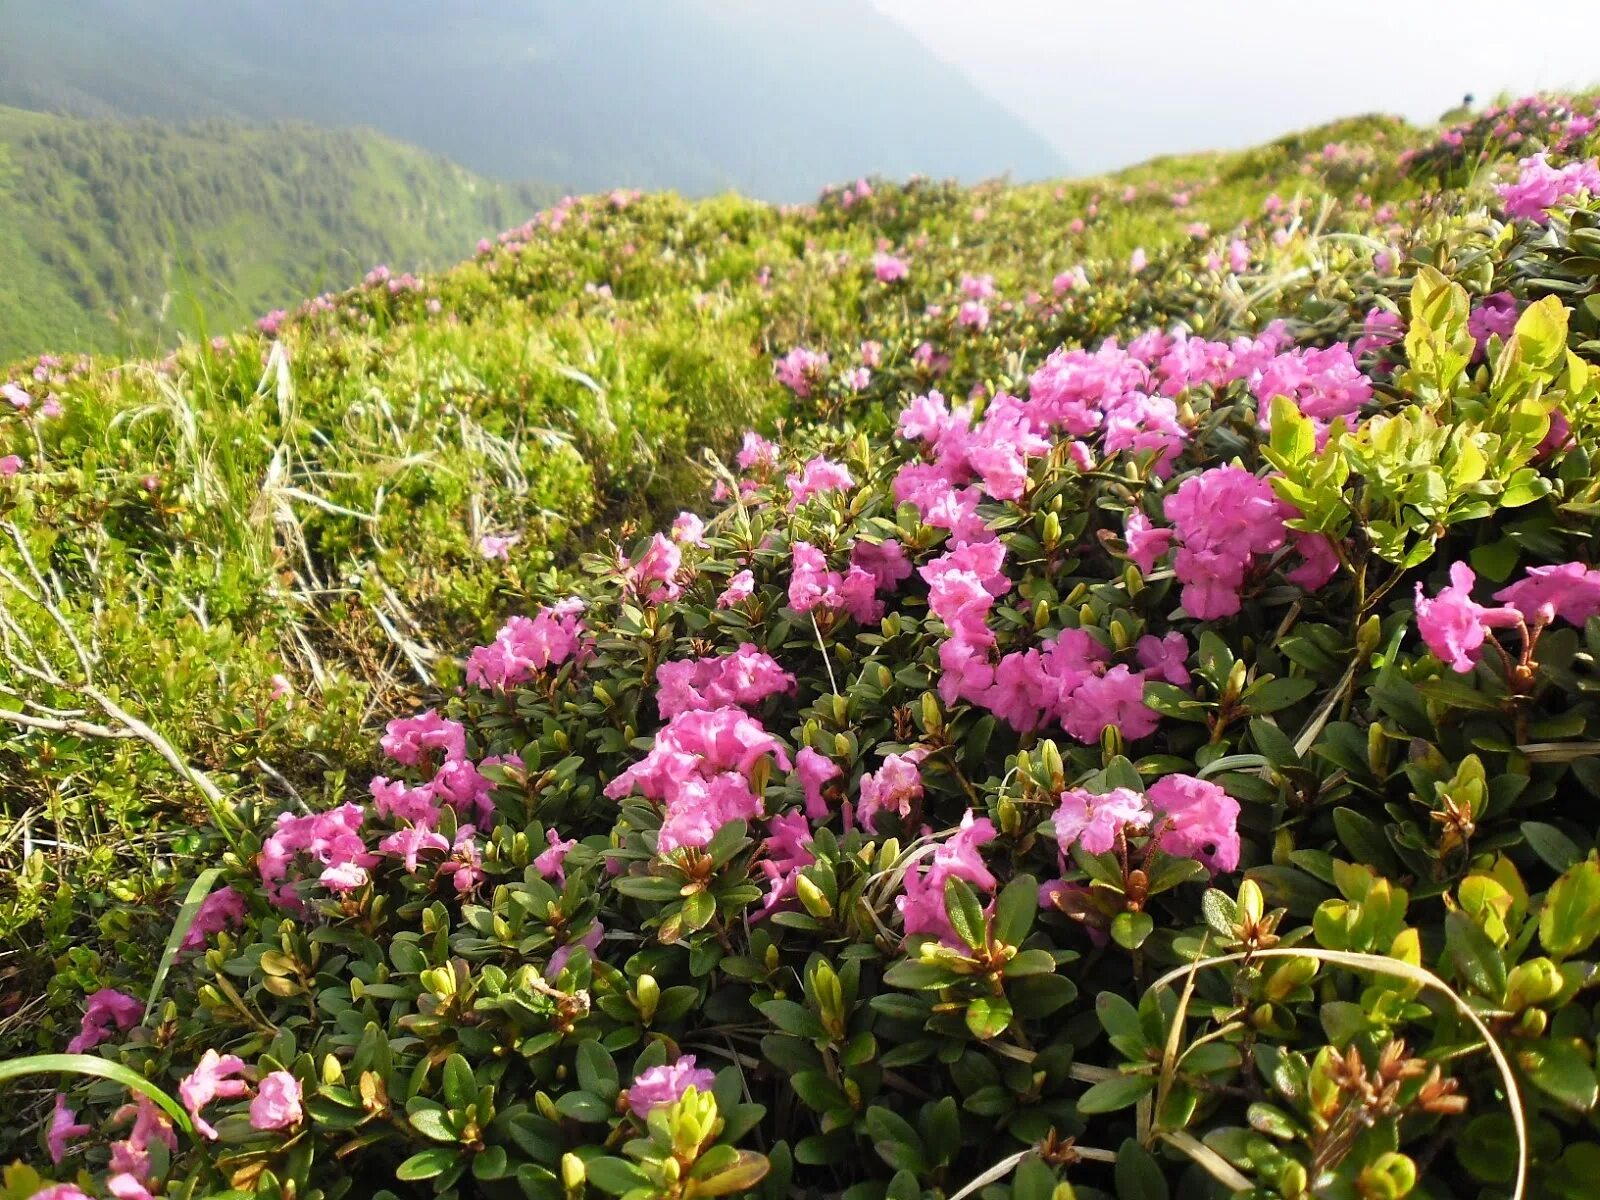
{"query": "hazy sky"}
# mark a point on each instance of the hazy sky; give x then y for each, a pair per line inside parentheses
(1112, 82)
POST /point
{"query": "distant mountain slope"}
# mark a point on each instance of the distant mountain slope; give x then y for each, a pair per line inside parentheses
(774, 99)
(116, 233)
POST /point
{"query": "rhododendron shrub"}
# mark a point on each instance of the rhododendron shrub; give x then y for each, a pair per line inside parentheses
(1009, 786)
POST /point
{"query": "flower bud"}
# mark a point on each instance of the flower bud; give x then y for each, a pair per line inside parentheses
(648, 992)
(573, 1174)
(813, 899)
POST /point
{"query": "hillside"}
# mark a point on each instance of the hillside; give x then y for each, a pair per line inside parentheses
(1084, 688)
(773, 100)
(122, 234)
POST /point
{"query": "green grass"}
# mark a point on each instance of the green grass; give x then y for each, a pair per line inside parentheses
(125, 235)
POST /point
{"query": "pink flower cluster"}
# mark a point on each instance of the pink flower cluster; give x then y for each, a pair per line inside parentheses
(700, 770)
(1225, 520)
(276, 1104)
(921, 906)
(802, 370)
(1188, 817)
(873, 569)
(819, 475)
(1540, 187)
(742, 679)
(1455, 627)
(666, 1085)
(524, 647)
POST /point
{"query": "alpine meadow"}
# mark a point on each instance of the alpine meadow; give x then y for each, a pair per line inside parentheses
(1024, 690)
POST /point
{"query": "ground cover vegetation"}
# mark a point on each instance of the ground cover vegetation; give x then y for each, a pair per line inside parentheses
(1077, 689)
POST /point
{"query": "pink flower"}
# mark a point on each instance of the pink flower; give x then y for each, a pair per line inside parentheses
(787, 853)
(1453, 626)
(1495, 316)
(654, 577)
(109, 1012)
(131, 1156)
(885, 561)
(819, 475)
(802, 370)
(689, 530)
(701, 767)
(889, 269)
(1381, 328)
(814, 771)
(331, 840)
(61, 1191)
(1569, 590)
(277, 1102)
(757, 452)
(922, 908)
(410, 740)
(590, 941)
(895, 786)
(744, 678)
(1146, 543)
(1223, 517)
(1201, 821)
(1165, 658)
(522, 648)
(1137, 261)
(408, 844)
(973, 314)
(64, 1128)
(1539, 187)
(1319, 561)
(492, 545)
(10, 464)
(220, 909)
(215, 1078)
(1114, 700)
(1094, 821)
(281, 689)
(667, 1085)
(740, 588)
(551, 863)
(16, 397)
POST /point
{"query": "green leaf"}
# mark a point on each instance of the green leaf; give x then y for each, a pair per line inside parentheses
(198, 891)
(1270, 695)
(429, 1164)
(460, 1088)
(1015, 910)
(614, 1176)
(1119, 1092)
(747, 1169)
(596, 1072)
(1130, 929)
(988, 1017)
(1561, 1071)
(101, 1068)
(1487, 1148)
(1137, 1175)
(1570, 919)
(1558, 851)
(965, 913)
(1476, 961)
(430, 1122)
(1367, 841)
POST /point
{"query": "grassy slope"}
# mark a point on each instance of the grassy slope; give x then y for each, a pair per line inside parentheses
(121, 235)
(213, 523)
